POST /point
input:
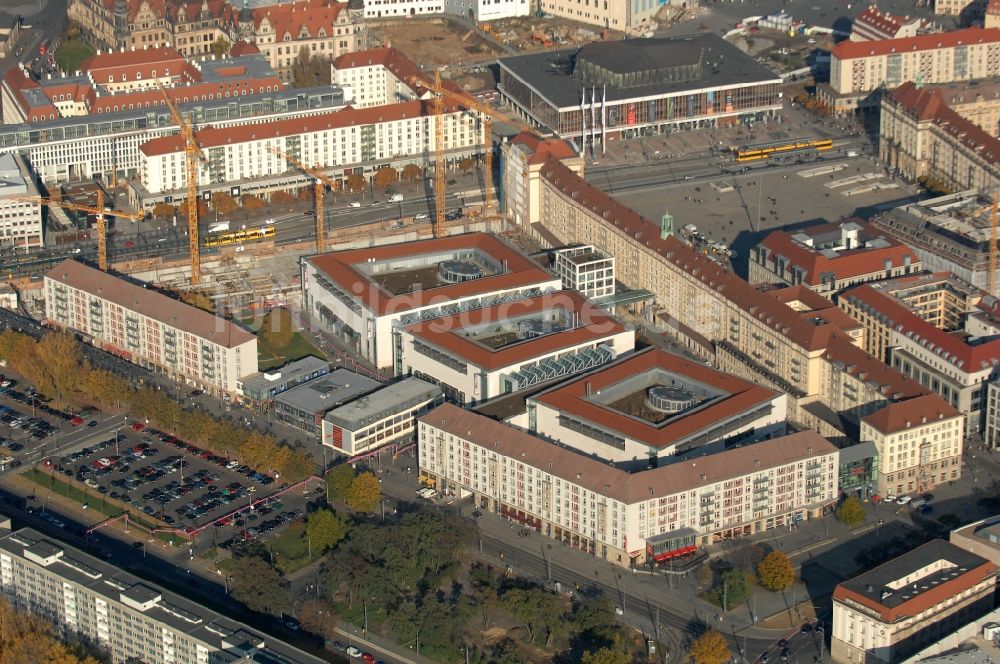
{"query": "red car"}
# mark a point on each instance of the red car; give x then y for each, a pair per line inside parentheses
(76, 421)
(368, 657)
(138, 426)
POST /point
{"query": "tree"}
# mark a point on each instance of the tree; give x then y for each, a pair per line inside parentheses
(58, 356)
(412, 173)
(258, 449)
(257, 584)
(364, 494)
(466, 164)
(251, 202)
(310, 71)
(338, 482)
(221, 47)
(356, 182)
(606, 656)
(164, 211)
(282, 198)
(850, 512)
(202, 209)
(324, 530)
(318, 617)
(710, 648)
(775, 571)
(298, 466)
(732, 588)
(386, 177)
(224, 203)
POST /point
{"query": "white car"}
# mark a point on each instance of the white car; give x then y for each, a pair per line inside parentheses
(891, 498)
(902, 500)
(355, 204)
(354, 652)
(422, 215)
(266, 221)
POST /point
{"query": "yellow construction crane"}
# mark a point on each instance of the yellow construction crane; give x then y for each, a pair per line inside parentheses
(192, 153)
(321, 181)
(99, 211)
(487, 114)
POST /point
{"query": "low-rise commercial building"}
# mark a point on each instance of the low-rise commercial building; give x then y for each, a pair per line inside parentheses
(629, 518)
(894, 610)
(633, 87)
(258, 389)
(649, 406)
(859, 465)
(919, 444)
(363, 294)
(20, 220)
(384, 417)
(305, 405)
(130, 619)
(830, 257)
(477, 355)
(150, 329)
(981, 538)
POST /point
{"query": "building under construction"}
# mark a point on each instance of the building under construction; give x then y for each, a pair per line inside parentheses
(949, 233)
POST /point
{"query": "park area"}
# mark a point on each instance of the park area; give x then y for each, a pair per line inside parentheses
(72, 53)
(278, 342)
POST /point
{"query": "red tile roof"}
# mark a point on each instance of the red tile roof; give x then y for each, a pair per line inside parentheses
(846, 264)
(395, 61)
(346, 117)
(902, 415)
(605, 479)
(817, 306)
(183, 94)
(847, 50)
(929, 105)
(306, 17)
(593, 324)
(542, 149)
(145, 60)
(879, 22)
(242, 48)
(572, 398)
(338, 266)
(949, 347)
(993, 8)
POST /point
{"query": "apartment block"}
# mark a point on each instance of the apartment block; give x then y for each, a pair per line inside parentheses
(875, 25)
(963, 8)
(898, 608)
(919, 444)
(859, 68)
(356, 140)
(378, 76)
(150, 329)
(830, 257)
(522, 158)
(629, 518)
(364, 294)
(132, 619)
(20, 220)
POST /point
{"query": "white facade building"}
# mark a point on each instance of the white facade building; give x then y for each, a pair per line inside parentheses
(377, 77)
(477, 10)
(586, 269)
(627, 518)
(150, 329)
(20, 221)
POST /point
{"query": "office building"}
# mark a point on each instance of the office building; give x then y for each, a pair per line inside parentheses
(623, 89)
(829, 257)
(479, 354)
(898, 608)
(150, 329)
(258, 389)
(383, 417)
(304, 405)
(585, 270)
(20, 220)
(131, 619)
(364, 294)
(860, 68)
(636, 518)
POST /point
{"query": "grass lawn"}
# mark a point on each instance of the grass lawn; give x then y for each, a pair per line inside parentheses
(291, 552)
(271, 354)
(72, 53)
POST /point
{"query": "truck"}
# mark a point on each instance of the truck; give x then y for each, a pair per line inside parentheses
(219, 227)
(396, 198)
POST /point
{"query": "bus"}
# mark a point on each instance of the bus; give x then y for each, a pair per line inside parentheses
(239, 237)
(765, 150)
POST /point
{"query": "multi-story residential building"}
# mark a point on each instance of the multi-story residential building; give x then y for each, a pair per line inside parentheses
(377, 77)
(128, 81)
(968, 9)
(830, 257)
(20, 220)
(387, 416)
(355, 140)
(859, 69)
(477, 355)
(522, 158)
(894, 610)
(585, 270)
(922, 137)
(131, 619)
(364, 294)
(924, 326)
(606, 90)
(991, 15)
(818, 310)
(991, 416)
(650, 406)
(875, 25)
(628, 518)
(831, 382)
(324, 28)
(107, 146)
(919, 444)
(259, 389)
(150, 329)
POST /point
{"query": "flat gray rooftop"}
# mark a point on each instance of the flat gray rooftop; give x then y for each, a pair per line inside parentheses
(550, 74)
(382, 403)
(327, 392)
(305, 366)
